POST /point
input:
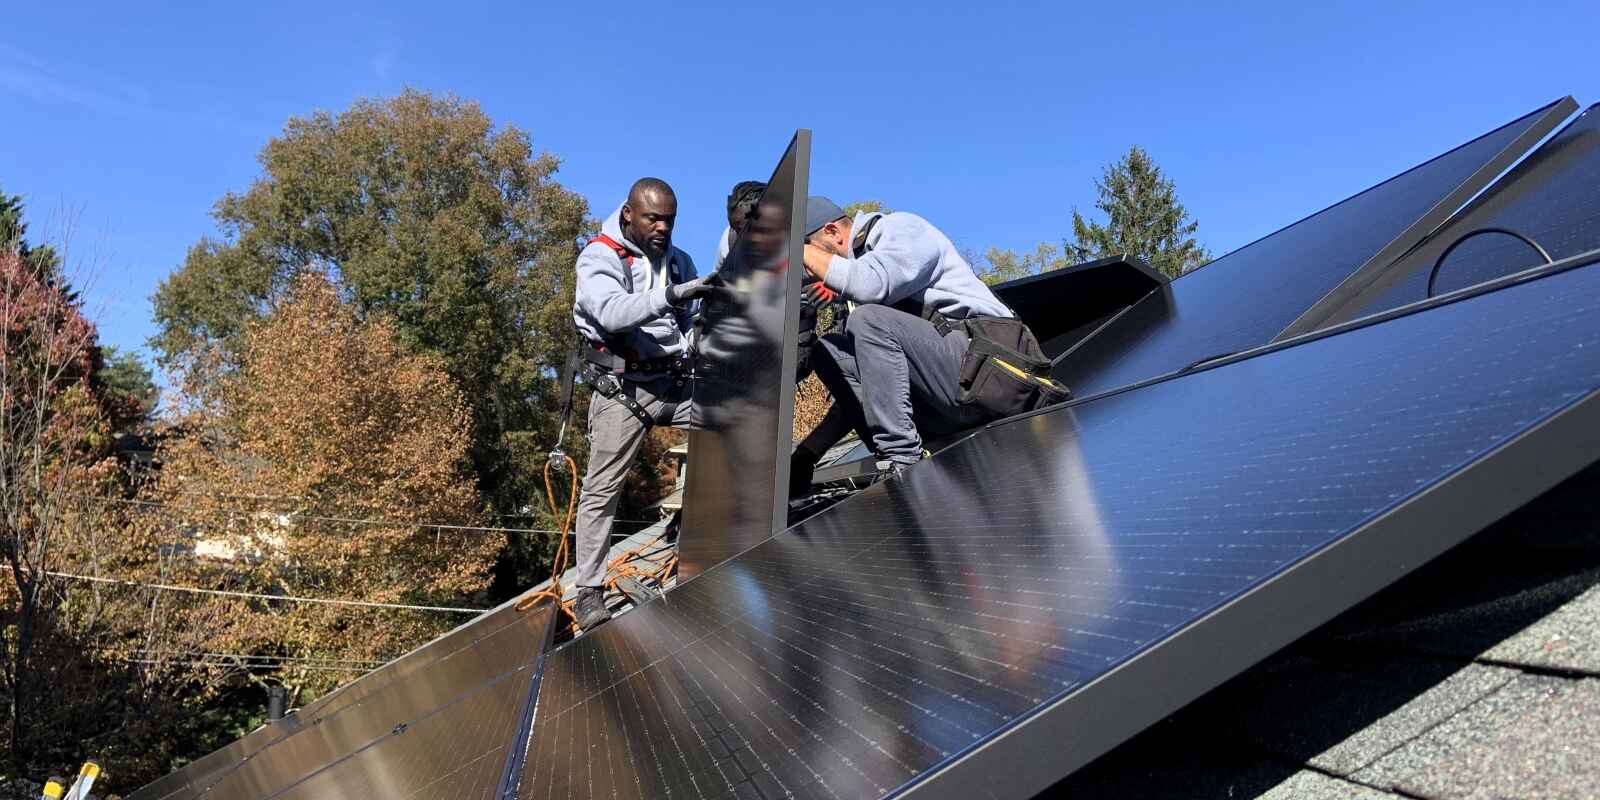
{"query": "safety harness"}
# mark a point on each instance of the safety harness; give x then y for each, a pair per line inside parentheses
(605, 362)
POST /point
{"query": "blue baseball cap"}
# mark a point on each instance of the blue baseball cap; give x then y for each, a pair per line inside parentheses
(819, 212)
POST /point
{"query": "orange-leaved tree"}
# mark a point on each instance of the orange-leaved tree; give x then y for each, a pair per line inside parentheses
(321, 463)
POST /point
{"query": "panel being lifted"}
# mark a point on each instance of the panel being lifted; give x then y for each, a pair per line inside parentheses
(736, 495)
(1060, 581)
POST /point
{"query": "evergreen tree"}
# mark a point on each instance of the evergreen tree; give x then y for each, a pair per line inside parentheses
(1144, 219)
(13, 233)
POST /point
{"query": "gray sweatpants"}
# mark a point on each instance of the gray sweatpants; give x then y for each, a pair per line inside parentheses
(615, 435)
(895, 374)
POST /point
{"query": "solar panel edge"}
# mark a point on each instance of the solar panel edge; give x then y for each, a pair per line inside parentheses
(518, 750)
(1086, 724)
(1380, 184)
(1502, 196)
(1577, 261)
(1327, 309)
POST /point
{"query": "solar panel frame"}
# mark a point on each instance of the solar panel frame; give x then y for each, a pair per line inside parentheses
(1325, 310)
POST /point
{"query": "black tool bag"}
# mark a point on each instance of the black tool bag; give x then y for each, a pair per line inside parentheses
(1004, 371)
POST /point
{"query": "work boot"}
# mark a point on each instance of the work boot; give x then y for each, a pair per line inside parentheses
(802, 467)
(590, 608)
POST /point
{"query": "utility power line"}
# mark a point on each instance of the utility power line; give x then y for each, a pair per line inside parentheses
(356, 521)
(238, 664)
(267, 660)
(257, 596)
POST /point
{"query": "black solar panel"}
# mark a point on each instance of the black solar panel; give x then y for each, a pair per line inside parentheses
(1245, 298)
(737, 493)
(1553, 197)
(505, 626)
(365, 711)
(1173, 533)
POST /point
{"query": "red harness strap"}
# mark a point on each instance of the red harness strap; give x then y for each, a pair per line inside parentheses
(616, 247)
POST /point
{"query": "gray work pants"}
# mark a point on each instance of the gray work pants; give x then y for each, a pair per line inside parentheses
(615, 435)
(895, 374)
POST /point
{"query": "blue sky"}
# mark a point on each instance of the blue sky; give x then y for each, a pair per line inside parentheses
(990, 119)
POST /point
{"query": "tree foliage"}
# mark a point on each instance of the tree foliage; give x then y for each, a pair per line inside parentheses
(1005, 265)
(1144, 219)
(56, 475)
(297, 479)
(865, 207)
(13, 236)
(130, 387)
(419, 209)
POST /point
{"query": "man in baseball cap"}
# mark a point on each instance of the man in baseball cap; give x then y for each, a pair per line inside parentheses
(895, 370)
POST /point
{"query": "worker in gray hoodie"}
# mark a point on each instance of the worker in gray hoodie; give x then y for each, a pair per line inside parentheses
(634, 305)
(895, 370)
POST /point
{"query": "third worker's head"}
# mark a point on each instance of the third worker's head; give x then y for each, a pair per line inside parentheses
(648, 216)
(742, 202)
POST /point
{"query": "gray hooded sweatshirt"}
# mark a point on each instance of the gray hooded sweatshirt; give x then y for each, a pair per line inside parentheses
(906, 258)
(629, 306)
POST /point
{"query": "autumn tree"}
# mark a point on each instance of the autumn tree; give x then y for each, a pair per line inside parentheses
(423, 212)
(320, 463)
(56, 473)
(1143, 219)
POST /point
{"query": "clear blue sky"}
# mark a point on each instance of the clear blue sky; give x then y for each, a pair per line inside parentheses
(991, 119)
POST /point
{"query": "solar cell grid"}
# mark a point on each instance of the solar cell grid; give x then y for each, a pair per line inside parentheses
(508, 642)
(389, 690)
(868, 646)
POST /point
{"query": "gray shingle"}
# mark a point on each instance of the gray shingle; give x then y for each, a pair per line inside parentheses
(1342, 717)
(1537, 737)
(1566, 639)
(1308, 785)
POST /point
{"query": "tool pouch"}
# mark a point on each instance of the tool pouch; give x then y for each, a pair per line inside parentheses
(1004, 371)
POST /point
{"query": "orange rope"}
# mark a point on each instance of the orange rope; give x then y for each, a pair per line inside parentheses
(623, 566)
(555, 592)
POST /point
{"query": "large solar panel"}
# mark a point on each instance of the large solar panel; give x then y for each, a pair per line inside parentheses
(1553, 197)
(496, 648)
(1245, 298)
(1030, 597)
(737, 493)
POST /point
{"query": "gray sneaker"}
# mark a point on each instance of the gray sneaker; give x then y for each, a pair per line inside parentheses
(590, 608)
(889, 468)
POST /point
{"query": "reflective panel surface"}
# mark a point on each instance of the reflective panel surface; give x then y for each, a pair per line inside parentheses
(894, 633)
(736, 494)
(1552, 197)
(367, 711)
(1245, 298)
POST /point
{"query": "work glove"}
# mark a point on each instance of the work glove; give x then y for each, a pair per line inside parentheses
(818, 295)
(707, 288)
(802, 465)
